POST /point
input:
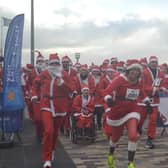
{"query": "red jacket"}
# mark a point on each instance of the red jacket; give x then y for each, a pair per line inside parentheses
(88, 81)
(126, 97)
(150, 84)
(79, 103)
(54, 97)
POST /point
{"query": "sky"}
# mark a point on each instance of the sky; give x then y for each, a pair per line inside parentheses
(97, 29)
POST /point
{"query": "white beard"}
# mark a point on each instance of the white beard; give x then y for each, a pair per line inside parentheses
(41, 66)
(55, 71)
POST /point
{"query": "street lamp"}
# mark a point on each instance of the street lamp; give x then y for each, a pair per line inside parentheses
(77, 57)
(32, 32)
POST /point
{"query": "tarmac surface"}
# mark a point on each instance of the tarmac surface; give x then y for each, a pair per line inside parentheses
(82, 155)
(28, 154)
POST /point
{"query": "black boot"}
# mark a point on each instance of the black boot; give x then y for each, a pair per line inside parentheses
(149, 143)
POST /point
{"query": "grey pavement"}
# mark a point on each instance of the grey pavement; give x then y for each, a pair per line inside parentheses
(28, 154)
(83, 155)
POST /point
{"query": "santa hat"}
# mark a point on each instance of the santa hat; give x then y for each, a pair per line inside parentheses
(77, 65)
(84, 87)
(143, 61)
(39, 57)
(120, 65)
(54, 58)
(84, 67)
(131, 64)
(29, 67)
(66, 58)
(114, 59)
(95, 68)
(153, 58)
(110, 68)
(106, 62)
(104, 67)
(164, 65)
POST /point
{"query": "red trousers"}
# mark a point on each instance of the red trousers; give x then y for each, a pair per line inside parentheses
(84, 122)
(29, 107)
(51, 132)
(38, 119)
(131, 125)
(151, 129)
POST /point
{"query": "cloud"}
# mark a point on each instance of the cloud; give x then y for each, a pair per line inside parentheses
(112, 28)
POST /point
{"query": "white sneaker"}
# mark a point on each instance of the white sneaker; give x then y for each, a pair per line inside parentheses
(47, 164)
(53, 155)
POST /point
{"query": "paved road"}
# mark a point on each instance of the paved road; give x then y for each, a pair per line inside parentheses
(94, 155)
(28, 154)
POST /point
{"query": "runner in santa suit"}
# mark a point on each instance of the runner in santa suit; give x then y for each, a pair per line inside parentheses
(98, 111)
(124, 112)
(114, 62)
(55, 87)
(77, 66)
(83, 78)
(66, 64)
(40, 66)
(27, 87)
(105, 81)
(154, 82)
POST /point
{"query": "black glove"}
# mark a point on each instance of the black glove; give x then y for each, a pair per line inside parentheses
(109, 102)
(74, 94)
(149, 108)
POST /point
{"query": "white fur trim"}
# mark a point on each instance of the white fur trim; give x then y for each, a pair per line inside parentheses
(83, 115)
(132, 146)
(97, 70)
(112, 144)
(154, 91)
(47, 163)
(152, 105)
(54, 61)
(107, 110)
(61, 82)
(153, 59)
(136, 65)
(147, 99)
(107, 97)
(123, 120)
(84, 88)
(34, 97)
(55, 114)
(110, 70)
(65, 59)
(98, 105)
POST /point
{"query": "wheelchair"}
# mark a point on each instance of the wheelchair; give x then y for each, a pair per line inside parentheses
(84, 134)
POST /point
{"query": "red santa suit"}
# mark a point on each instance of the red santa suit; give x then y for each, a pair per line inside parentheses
(26, 85)
(98, 111)
(79, 81)
(37, 116)
(151, 85)
(83, 107)
(66, 61)
(125, 106)
(55, 89)
(103, 84)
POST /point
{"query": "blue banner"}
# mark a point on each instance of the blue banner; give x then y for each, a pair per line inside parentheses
(12, 96)
(12, 90)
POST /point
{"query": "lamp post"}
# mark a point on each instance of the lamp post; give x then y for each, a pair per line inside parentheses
(32, 32)
(77, 57)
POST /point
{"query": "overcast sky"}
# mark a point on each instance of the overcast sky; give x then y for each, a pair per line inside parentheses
(98, 29)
